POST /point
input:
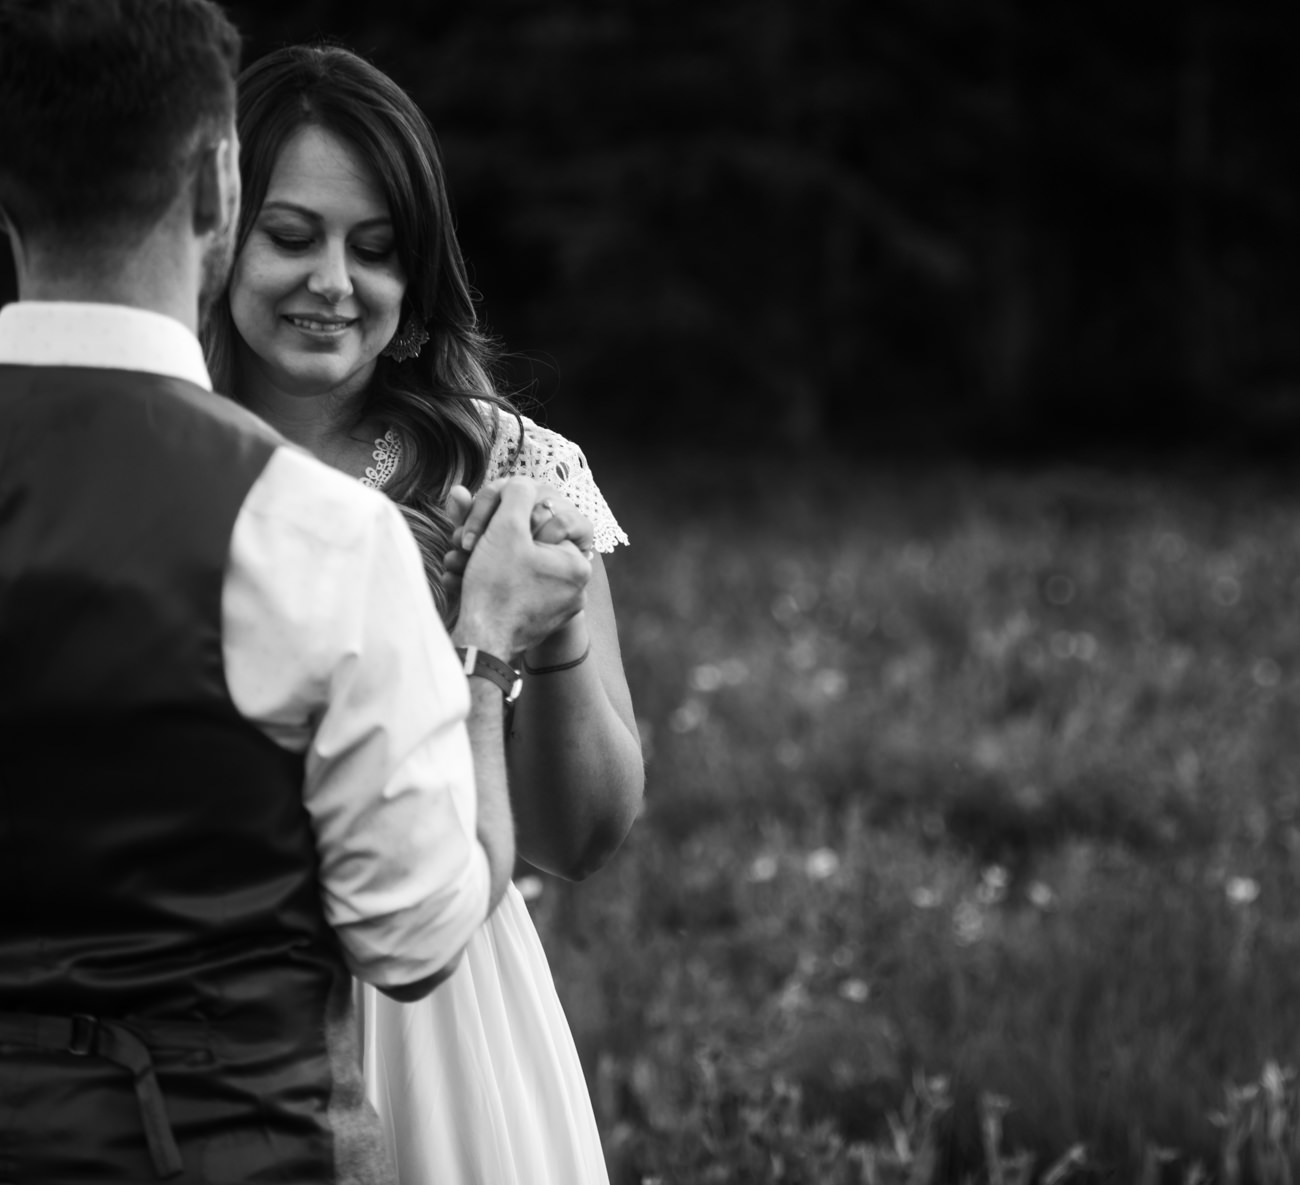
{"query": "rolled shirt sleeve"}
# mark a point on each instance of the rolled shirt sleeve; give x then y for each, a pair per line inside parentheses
(333, 647)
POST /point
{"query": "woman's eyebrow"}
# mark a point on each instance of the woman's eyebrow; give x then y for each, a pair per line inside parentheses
(313, 216)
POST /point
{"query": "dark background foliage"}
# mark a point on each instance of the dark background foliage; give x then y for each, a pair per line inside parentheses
(1048, 224)
(1025, 223)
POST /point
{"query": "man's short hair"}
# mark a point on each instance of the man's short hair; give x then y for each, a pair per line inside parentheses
(104, 105)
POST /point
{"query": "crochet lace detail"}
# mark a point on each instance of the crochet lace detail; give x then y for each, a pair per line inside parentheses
(388, 452)
(545, 456)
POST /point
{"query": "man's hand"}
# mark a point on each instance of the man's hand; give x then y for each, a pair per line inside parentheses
(554, 519)
(516, 590)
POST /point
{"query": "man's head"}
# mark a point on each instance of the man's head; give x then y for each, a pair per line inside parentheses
(114, 114)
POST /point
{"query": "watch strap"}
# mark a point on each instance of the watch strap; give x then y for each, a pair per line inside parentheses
(487, 666)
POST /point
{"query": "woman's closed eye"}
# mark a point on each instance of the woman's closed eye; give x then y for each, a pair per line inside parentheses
(297, 243)
(373, 254)
(289, 242)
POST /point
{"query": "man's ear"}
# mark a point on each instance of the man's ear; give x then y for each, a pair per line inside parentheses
(216, 188)
(11, 241)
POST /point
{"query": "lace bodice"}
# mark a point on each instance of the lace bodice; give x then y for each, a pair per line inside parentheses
(545, 456)
(388, 451)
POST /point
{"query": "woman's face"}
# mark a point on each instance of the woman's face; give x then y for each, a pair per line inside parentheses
(316, 292)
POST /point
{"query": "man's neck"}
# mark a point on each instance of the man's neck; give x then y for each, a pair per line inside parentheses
(70, 290)
(154, 281)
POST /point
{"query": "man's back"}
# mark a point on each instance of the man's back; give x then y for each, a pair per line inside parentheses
(157, 865)
(237, 747)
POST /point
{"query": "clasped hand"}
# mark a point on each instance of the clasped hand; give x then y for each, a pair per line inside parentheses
(521, 554)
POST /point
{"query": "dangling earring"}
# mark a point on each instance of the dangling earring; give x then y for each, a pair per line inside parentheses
(408, 342)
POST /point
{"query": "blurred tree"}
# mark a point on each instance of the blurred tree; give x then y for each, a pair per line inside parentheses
(1027, 222)
(1198, 307)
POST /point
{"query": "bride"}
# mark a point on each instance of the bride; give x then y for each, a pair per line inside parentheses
(349, 326)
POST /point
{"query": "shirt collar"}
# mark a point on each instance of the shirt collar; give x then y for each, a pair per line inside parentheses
(102, 336)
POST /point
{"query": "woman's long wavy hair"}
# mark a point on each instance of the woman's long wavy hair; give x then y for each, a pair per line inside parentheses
(433, 401)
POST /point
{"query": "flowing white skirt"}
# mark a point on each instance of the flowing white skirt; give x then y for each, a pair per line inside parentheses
(480, 1083)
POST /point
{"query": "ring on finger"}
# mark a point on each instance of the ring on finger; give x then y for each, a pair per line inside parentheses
(544, 504)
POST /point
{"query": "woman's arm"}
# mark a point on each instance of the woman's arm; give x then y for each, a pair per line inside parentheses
(573, 751)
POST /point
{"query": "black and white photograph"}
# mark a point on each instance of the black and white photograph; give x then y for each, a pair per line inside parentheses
(679, 593)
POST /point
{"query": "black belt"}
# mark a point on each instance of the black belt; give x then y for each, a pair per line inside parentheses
(120, 1043)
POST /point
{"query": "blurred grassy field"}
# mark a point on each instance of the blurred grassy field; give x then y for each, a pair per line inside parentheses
(973, 812)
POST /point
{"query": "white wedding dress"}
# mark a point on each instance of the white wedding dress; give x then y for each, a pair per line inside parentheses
(480, 1083)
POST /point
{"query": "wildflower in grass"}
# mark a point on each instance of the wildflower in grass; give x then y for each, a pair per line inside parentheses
(734, 671)
(1274, 1079)
(789, 754)
(926, 898)
(763, 869)
(856, 991)
(1241, 890)
(1227, 591)
(530, 887)
(967, 923)
(1041, 896)
(1171, 547)
(785, 609)
(688, 717)
(821, 864)
(794, 997)
(989, 751)
(992, 1108)
(1059, 590)
(1266, 673)
(997, 644)
(830, 683)
(1029, 797)
(706, 677)
(862, 621)
(993, 885)
(1152, 629)
(1142, 579)
(1074, 1157)
(803, 653)
(1187, 768)
(1062, 644)
(917, 554)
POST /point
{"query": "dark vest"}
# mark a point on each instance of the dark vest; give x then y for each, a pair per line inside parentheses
(158, 874)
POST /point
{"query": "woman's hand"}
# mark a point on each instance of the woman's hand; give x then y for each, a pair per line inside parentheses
(554, 520)
(515, 588)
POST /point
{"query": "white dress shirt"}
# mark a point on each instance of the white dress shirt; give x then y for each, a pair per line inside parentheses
(332, 648)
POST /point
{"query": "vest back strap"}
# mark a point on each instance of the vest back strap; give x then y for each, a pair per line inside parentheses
(114, 1041)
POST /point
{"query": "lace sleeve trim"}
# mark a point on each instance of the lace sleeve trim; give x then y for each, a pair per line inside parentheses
(547, 456)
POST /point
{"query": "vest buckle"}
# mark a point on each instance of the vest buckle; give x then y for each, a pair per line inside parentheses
(83, 1034)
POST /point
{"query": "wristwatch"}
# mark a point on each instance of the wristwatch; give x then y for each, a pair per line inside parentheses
(487, 666)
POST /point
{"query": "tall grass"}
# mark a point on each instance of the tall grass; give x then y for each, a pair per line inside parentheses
(970, 845)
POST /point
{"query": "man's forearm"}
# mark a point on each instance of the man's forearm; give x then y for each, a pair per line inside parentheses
(496, 831)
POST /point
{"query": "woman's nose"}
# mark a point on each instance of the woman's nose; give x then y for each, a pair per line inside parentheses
(329, 277)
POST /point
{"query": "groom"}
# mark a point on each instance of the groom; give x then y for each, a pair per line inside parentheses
(238, 752)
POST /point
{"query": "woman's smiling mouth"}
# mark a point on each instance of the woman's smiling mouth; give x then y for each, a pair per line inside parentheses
(329, 327)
